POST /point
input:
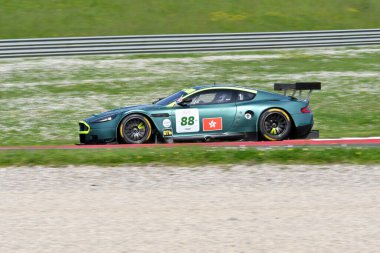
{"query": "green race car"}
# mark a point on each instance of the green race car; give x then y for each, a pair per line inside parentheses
(205, 113)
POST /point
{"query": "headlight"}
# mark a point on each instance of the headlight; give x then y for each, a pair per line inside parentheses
(105, 119)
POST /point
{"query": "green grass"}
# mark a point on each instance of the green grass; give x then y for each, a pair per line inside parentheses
(41, 18)
(189, 156)
(42, 99)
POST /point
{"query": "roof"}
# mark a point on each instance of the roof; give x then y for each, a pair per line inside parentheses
(228, 86)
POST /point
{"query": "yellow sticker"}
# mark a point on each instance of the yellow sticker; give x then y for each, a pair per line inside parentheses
(189, 91)
(140, 126)
(167, 132)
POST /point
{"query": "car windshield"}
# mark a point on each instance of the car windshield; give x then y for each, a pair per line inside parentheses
(171, 98)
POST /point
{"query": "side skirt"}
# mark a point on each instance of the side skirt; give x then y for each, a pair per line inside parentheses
(217, 137)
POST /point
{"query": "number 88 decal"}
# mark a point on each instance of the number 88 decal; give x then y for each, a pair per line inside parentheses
(187, 121)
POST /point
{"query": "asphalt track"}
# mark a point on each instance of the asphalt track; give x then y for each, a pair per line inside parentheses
(344, 142)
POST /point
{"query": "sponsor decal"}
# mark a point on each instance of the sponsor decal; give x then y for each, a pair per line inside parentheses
(187, 120)
(166, 123)
(167, 132)
(212, 124)
(248, 115)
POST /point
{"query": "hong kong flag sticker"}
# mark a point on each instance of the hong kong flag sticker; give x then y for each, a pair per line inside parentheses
(212, 124)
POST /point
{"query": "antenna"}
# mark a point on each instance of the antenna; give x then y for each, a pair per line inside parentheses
(214, 82)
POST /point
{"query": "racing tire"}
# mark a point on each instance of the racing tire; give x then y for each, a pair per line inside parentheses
(275, 125)
(135, 129)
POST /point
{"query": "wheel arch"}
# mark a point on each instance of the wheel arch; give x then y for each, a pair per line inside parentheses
(119, 138)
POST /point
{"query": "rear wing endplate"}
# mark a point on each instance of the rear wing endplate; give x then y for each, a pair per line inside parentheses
(310, 86)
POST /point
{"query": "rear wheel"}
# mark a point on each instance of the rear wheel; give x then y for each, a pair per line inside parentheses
(275, 125)
(135, 129)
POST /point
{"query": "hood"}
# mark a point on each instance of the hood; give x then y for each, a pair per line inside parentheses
(120, 111)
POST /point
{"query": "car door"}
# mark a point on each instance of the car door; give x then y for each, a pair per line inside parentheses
(210, 112)
(245, 110)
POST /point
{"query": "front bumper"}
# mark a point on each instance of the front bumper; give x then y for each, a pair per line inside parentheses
(91, 135)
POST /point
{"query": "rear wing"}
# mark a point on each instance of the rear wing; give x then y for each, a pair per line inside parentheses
(310, 86)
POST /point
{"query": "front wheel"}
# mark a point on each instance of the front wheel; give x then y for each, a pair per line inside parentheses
(135, 129)
(275, 125)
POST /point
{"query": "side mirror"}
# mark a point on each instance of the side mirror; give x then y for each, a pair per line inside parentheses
(184, 102)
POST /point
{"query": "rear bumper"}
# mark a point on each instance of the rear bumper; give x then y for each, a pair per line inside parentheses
(305, 132)
(314, 134)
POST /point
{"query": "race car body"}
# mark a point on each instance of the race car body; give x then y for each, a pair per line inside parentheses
(204, 113)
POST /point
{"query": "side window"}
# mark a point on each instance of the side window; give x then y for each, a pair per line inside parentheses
(213, 97)
(244, 96)
(203, 98)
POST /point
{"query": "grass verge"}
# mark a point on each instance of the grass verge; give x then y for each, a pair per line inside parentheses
(42, 99)
(41, 18)
(189, 156)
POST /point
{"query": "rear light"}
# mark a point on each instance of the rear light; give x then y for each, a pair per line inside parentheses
(306, 109)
